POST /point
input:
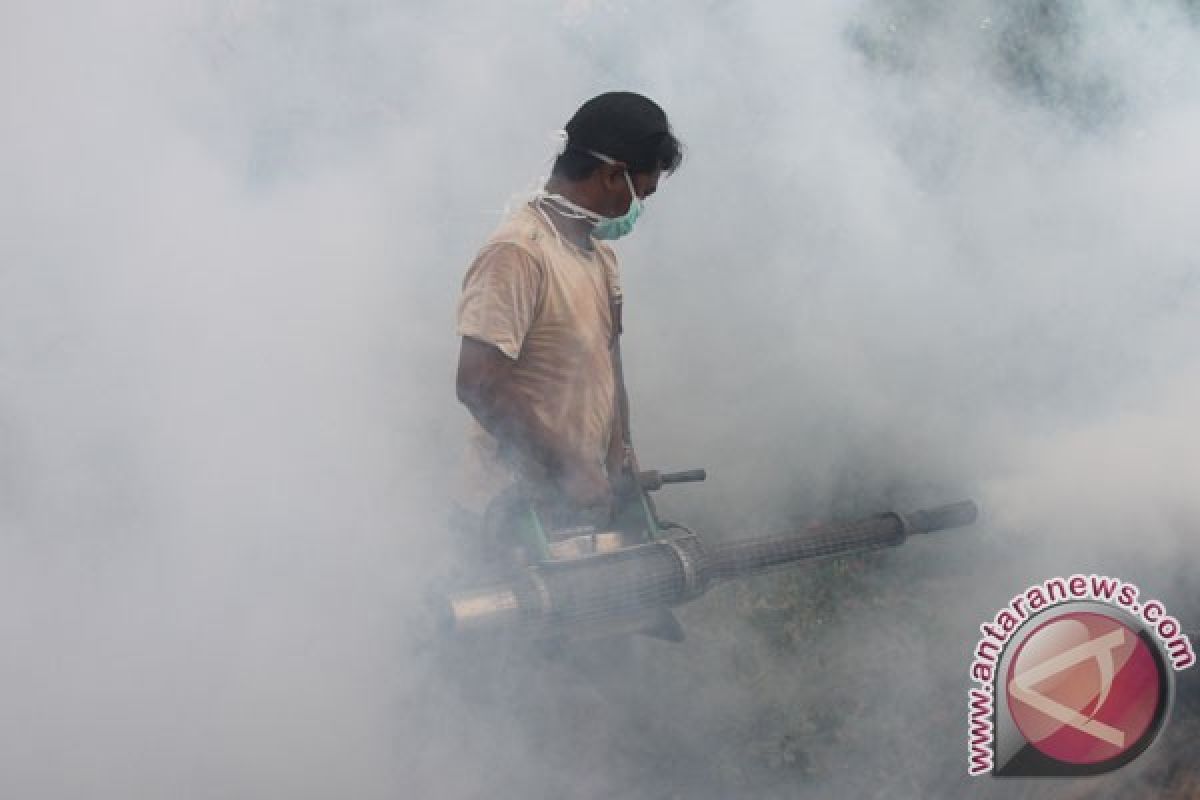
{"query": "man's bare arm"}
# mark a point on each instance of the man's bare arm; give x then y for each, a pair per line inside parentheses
(484, 385)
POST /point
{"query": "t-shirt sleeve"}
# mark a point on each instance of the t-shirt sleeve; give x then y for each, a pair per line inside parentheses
(500, 297)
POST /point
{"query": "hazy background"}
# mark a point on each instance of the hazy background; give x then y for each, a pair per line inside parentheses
(917, 251)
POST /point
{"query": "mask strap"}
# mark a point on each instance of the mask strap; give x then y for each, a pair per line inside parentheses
(601, 156)
(610, 160)
(537, 206)
(565, 206)
(632, 192)
(560, 138)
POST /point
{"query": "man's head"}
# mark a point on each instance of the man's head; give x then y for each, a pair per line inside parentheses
(632, 132)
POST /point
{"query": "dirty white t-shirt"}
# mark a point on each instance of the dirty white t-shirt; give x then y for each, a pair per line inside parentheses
(544, 303)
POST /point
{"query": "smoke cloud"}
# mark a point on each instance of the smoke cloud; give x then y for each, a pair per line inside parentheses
(917, 251)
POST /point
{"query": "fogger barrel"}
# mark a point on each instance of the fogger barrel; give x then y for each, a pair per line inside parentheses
(560, 597)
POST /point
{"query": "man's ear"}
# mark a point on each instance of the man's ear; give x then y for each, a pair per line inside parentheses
(614, 175)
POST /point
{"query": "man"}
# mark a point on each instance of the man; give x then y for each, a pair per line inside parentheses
(539, 315)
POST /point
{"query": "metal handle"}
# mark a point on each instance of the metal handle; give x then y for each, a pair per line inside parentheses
(652, 479)
(686, 476)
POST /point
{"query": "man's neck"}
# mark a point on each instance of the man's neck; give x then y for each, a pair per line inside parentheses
(578, 231)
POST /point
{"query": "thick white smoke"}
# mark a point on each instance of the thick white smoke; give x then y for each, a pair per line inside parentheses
(918, 250)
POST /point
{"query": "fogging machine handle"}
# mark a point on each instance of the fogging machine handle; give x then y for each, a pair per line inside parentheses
(652, 480)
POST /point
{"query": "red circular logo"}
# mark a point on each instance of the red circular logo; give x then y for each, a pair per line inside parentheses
(1084, 688)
